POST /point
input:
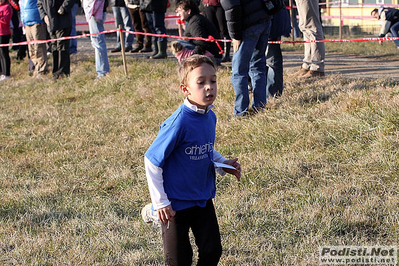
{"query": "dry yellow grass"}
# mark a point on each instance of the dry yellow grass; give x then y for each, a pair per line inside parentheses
(320, 167)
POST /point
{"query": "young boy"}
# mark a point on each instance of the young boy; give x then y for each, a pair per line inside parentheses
(180, 169)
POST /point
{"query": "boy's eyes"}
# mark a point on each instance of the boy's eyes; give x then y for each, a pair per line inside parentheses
(213, 81)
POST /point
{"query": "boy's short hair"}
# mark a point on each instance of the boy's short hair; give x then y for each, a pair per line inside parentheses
(188, 4)
(375, 10)
(191, 63)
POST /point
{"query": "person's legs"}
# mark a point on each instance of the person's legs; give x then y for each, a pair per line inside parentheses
(37, 52)
(310, 25)
(128, 26)
(73, 48)
(118, 21)
(146, 28)
(150, 20)
(207, 236)
(62, 51)
(395, 32)
(5, 61)
(135, 15)
(99, 44)
(224, 33)
(249, 55)
(159, 26)
(274, 62)
(41, 49)
(257, 69)
(176, 241)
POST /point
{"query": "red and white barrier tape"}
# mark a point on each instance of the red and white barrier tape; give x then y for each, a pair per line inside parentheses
(209, 39)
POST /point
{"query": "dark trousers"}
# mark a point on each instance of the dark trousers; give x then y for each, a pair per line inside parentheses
(140, 24)
(205, 228)
(217, 16)
(274, 70)
(5, 63)
(60, 49)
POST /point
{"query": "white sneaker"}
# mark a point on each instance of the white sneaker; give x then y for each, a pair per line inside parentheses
(3, 77)
(150, 215)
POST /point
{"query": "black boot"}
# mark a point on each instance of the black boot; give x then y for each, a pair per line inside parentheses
(226, 57)
(155, 50)
(162, 46)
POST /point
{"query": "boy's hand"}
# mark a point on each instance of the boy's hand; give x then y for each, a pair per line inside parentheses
(236, 165)
(166, 214)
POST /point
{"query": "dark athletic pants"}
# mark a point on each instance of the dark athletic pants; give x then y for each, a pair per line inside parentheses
(61, 57)
(205, 228)
(5, 62)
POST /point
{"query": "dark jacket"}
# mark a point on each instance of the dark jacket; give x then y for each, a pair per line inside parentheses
(392, 15)
(200, 26)
(158, 6)
(242, 14)
(51, 7)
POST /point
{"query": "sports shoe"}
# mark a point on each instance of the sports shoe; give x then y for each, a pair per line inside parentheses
(313, 74)
(150, 216)
(301, 72)
(3, 77)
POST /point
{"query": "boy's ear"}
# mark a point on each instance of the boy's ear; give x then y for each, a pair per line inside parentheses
(184, 89)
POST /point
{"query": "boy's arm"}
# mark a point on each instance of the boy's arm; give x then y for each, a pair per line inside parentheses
(217, 157)
(155, 184)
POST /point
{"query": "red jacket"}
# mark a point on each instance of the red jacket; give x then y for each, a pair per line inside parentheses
(5, 19)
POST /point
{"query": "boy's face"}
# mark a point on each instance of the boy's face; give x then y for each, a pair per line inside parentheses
(201, 87)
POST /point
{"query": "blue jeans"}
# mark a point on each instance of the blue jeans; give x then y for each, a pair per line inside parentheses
(250, 61)
(122, 17)
(73, 45)
(394, 31)
(274, 62)
(156, 22)
(99, 45)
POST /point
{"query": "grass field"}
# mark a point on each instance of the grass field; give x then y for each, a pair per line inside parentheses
(320, 167)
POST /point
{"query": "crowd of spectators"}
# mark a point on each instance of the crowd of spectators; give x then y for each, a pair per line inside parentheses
(247, 27)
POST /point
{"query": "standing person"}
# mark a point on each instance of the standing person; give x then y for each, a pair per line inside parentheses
(140, 24)
(5, 35)
(390, 22)
(315, 52)
(35, 29)
(122, 17)
(180, 169)
(197, 26)
(155, 12)
(95, 13)
(58, 17)
(215, 13)
(249, 27)
(281, 26)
